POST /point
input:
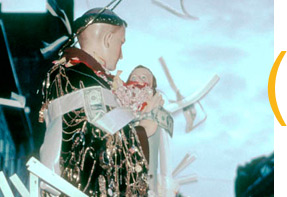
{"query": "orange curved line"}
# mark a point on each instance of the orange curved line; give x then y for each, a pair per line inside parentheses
(271, 88)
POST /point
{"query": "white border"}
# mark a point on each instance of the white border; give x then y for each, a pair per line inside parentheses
(280, 133)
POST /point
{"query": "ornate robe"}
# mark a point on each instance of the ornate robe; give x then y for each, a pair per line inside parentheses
(94, 161)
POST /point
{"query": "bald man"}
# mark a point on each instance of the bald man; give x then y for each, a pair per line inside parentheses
(76, 93)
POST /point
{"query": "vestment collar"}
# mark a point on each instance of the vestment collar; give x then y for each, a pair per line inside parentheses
(76, 56)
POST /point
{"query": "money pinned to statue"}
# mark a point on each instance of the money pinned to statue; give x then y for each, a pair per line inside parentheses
(131, 95)
(94, 104)
(162, 117)
(97, 114)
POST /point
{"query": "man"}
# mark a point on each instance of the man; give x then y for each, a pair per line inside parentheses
(75, 97)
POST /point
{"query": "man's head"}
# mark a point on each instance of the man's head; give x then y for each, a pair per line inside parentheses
(103, 38)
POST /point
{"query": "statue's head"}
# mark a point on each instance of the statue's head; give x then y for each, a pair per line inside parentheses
(101, 34)
(143, 75)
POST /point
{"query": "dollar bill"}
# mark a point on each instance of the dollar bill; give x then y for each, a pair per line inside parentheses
(163, 118)
(94, 103)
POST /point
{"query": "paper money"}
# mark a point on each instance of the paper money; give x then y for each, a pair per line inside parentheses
(94, 104)
(163, 119)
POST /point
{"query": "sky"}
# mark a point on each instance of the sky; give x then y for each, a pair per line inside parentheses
(233, 39)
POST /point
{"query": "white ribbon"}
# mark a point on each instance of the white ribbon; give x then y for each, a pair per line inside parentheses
(110, 122)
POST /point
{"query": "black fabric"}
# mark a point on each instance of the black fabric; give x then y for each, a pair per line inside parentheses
(86, 59)
(84, 155)
(143, 140)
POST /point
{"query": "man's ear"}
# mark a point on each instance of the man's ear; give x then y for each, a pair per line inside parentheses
(107, 39)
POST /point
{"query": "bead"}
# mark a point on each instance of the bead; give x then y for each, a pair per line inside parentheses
(110, 192)
(138, 168)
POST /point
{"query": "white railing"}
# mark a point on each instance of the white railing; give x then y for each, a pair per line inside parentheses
(41, 175)
(38, 173)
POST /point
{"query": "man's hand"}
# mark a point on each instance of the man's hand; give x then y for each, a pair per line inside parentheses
(151, 125)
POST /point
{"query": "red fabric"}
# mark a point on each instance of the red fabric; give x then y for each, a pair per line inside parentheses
(136, 84)
(143, 106)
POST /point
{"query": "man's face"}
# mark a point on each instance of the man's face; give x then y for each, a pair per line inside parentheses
(142, 75)
(115, 49)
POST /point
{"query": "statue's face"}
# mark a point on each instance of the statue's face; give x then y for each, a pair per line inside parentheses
(115, 49)
(142, 75)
